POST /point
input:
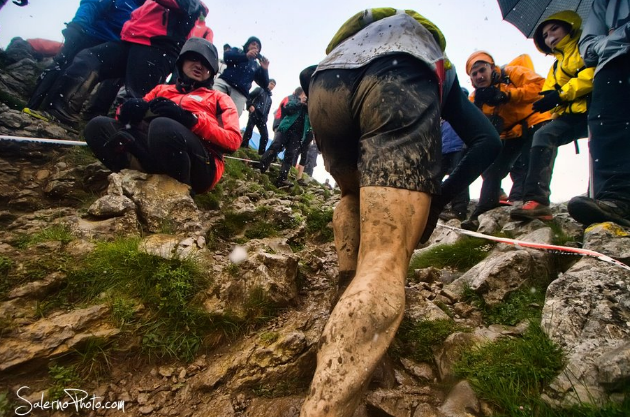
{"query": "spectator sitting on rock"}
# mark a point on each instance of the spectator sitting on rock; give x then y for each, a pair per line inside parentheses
(181, 130)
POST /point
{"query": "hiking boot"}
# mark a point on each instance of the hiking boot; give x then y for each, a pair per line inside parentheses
(283, 184)
(588, 211)
(62, 116)
(260, 166)
(505, 203)
(532, 210)
(447, 215)
(471, 224)
(302, 183)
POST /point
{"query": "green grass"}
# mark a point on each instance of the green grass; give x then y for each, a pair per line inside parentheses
(208, 201)
(129, 277)
(171, 322)
(94, 358)
(462, 255)
(79, 156)
(523, 304)
(62, 377)
(232, 225)
(54, 233)
(30, 270)
(11, 101)
(317, 224)
(419, 340)
(511, 373)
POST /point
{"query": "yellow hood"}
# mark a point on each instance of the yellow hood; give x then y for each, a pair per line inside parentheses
(565, 16)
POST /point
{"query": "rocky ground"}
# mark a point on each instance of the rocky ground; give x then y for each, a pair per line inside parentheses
(265, 369)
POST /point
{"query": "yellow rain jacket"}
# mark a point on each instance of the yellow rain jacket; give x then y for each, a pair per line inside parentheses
(568, 74)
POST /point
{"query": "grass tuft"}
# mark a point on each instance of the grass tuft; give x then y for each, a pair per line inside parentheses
(524, 304)
(419, 340)
(55, 233)
(462, 255)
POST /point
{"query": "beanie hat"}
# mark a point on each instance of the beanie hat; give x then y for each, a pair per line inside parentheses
(476, 57)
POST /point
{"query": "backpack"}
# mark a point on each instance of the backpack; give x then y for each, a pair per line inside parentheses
(364, 18)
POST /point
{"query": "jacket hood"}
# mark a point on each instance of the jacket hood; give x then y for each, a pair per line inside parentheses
(567, 16)
(250, 40)
(202, 47)
(208, 52)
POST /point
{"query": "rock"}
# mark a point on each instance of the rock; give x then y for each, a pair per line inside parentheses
(461, 401)
(54, 336)
(111, 206)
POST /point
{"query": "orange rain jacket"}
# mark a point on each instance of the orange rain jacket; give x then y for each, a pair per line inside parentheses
(523, 86)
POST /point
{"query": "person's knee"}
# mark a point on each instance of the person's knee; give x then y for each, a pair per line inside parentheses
(95, 131)
(162, 131)
(83, 63)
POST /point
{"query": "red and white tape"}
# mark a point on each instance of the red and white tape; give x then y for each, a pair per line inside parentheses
(542, 246)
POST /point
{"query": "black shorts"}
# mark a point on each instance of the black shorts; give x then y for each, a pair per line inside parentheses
(382, 119)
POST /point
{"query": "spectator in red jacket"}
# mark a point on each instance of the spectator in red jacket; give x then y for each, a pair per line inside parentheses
(181, 130)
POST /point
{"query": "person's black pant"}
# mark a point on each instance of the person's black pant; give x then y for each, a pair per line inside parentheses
(518, 175)
(459, 203)
(46, 81)
(609, 125)
(164, 146)
(561, 131)
(103, 98)
(304, 150)
(142, 66)
(492, 177)
(290, 141)
(261, 125)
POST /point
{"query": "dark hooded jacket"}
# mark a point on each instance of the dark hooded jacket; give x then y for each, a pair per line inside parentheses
(242, 71)
(260, 98)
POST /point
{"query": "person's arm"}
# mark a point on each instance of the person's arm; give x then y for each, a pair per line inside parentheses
(220, 124)
(594, 34)
(293, 106)
(90, 11)
(525, 84)
(261, 76)
(252, 97)
(578, 86)
(234, 56)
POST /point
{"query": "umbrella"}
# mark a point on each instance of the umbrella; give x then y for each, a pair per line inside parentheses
(526, 15)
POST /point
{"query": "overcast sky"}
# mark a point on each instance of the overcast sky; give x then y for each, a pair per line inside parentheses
(295, 34)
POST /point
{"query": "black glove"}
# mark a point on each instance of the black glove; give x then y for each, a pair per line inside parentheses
(132, 111)
(551, 99)
(73, 32)
(166, 108)
(20, 3)
(491, 96)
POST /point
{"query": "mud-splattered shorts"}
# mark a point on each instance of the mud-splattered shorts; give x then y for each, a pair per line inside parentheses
(382, 119)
